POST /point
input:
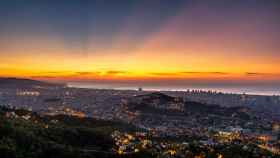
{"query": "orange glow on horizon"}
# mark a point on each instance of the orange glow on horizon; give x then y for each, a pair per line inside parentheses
(169, 53)
(115, 75)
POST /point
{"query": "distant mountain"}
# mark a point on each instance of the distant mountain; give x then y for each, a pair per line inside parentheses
(24, 83)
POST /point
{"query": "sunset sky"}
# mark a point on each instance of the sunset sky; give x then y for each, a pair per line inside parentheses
(124, 40)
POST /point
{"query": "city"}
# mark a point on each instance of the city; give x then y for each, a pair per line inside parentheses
(166, 123)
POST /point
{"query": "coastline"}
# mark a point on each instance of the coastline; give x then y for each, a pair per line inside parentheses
(240, 89)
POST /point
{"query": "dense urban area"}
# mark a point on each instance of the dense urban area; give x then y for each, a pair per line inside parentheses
(40, 119)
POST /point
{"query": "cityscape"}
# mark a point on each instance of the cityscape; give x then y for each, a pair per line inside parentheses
(139, 79)
(191, 123)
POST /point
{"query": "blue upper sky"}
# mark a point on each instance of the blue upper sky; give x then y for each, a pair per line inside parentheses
(76, 20)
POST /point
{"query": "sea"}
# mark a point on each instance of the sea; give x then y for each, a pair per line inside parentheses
(267, 89)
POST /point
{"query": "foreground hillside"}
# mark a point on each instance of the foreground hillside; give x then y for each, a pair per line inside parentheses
(26, 135)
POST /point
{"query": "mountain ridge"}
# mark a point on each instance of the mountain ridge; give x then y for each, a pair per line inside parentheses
(6, 82)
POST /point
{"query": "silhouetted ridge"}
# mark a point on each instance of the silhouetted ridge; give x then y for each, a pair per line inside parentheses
(20, 82)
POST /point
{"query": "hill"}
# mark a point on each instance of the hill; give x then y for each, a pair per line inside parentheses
(162, 103)
(24, 83)
(26, 134)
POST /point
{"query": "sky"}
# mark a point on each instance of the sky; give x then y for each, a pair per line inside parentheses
(217, 41)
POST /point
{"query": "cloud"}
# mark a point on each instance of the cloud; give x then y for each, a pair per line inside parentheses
(258, 74)
(56, 72)
(101, 73)
(187, 72)
(87, 73)
(163, 74)
(252, 73)
(113, 72)
(46, 77)
(52, 73)
(197, 72)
